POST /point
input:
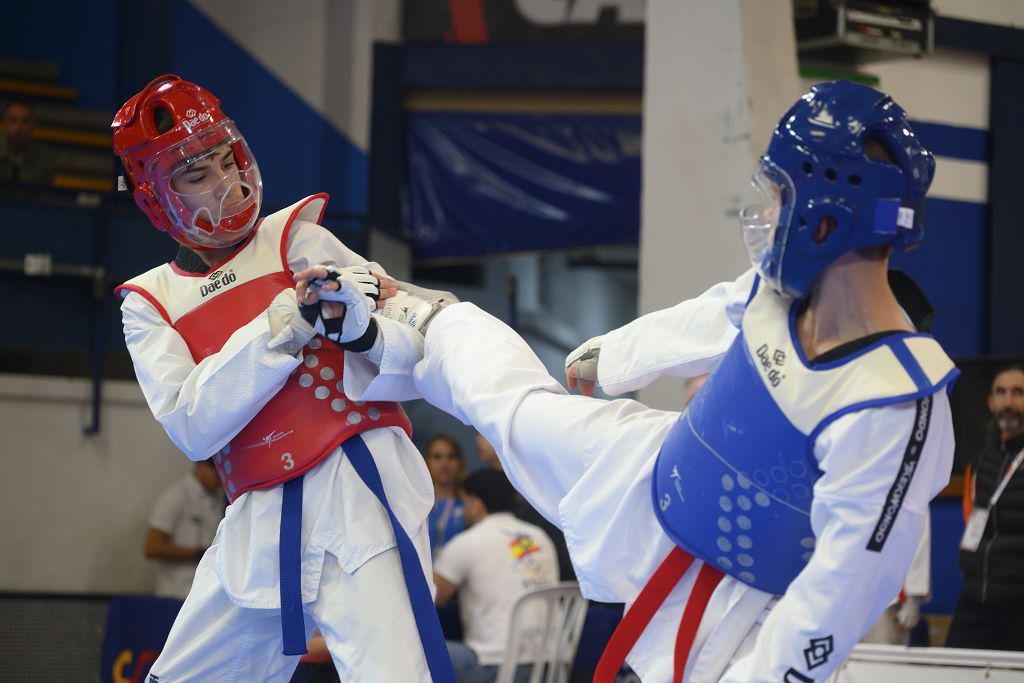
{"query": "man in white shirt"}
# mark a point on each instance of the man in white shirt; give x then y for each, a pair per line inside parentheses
(182, 526)
(495, 562)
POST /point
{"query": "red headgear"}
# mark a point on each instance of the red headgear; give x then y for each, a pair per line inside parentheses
(192, 172)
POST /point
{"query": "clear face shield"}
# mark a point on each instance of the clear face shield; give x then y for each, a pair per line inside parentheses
(210, 186)
(765, 220)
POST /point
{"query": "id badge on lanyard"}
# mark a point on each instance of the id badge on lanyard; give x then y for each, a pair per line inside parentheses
(979, 516)
(975, 529)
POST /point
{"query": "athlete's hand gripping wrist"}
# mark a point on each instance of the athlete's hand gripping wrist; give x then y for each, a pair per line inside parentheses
(581, 366)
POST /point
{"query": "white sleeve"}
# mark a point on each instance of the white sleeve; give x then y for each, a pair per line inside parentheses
(867, 515)
(310, 244)
(393, 380)
(683, 341)
(202, 406)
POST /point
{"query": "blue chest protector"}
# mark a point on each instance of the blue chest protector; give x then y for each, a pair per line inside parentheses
(734, 480)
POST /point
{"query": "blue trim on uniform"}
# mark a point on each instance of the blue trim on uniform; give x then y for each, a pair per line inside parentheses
(293, 627)
(909, 363)
(423, 611)
(950, 377)
(753, 291)
(884, 341)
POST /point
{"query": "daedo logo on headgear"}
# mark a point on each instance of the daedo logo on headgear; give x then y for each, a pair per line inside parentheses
(191, 120)
(218, 280)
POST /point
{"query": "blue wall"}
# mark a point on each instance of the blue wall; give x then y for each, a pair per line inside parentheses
(298, 151)
(951, 263)
(110, 50)
(83, 37)
(947, 527)
(950, 267)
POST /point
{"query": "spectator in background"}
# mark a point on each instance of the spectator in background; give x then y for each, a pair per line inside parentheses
(491, 565)
(524, 511)
(990, 613)
(182, 526)
(447, 470)
(22, 159)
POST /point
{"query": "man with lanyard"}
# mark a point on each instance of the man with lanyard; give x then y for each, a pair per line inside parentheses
(328, 495)
(759, 535)
(990, 612)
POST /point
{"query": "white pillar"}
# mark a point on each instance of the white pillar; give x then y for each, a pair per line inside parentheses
(718, 76)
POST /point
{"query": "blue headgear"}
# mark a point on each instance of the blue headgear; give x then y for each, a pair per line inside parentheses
(816, 168)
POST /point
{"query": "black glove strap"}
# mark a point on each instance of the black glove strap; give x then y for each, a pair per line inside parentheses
(310, 313)
(365, 342)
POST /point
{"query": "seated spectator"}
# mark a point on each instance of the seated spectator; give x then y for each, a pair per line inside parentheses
(990, 611)
(525, 512)
(22, 159)
(447, 470)
(182, 526)
(491, 565)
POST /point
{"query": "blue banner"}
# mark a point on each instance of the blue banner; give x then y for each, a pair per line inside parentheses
(136, 630)
(483, 184)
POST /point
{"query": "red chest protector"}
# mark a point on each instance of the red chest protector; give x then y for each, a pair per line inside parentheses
(310, 416)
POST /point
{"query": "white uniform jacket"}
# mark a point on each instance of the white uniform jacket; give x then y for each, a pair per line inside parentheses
(586, 464)
(202, 406)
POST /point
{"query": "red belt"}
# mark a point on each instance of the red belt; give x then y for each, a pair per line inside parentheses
(640, 613)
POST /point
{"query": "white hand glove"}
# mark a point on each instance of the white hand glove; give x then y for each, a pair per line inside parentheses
(289, 331)
(354, 325)
(416, 311)
(358, 276)
(909, 613)
(581, 365)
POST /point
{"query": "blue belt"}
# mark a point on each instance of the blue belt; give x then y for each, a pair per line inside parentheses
(293, 627)
(423, 611)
